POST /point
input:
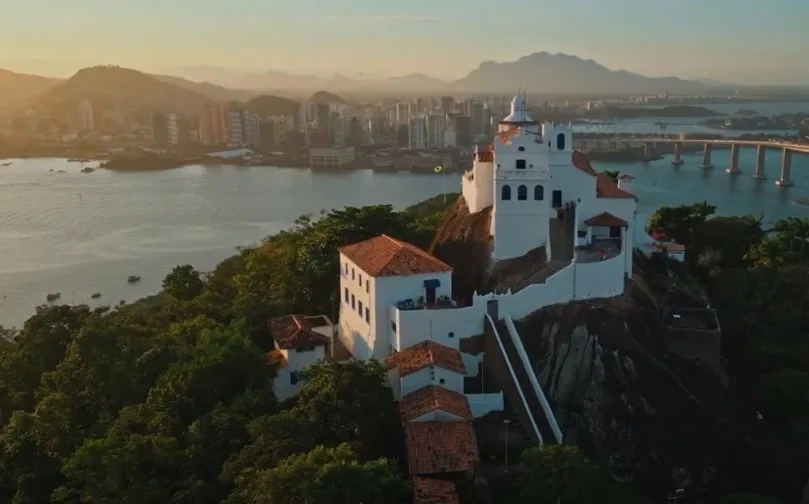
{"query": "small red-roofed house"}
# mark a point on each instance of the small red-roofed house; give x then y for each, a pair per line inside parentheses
(299, 341)
(427, 363)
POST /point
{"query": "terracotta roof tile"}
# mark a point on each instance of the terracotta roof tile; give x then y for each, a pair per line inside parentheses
(485, 156)
(386, 256)
(606, 219)
(428, 399)
(440, 447)
(295, 331)
(434, 491)
(424, 354)
(505, 136)
(607, 188)
(581, 162)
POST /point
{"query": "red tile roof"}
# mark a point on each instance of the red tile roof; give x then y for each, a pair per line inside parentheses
(428, 399)
(505, 136)
(581, 162)
(386, 256)
(607, 188)
(440, 447)
(434, 491)
(295, 332)
(485, 156)
(424, 354)
(606, 219)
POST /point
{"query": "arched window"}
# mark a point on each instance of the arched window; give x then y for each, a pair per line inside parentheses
(560, 141)
(505, 192)
(522, 193)
(520, 148)
(539, 193)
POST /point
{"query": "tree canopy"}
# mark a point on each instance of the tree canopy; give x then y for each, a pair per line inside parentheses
(170, 399)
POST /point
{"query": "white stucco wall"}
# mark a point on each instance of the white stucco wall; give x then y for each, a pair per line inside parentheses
(443, 325)
(354, 331)
(390, 290)
(431, 375)
(295, 362)
(599, 279)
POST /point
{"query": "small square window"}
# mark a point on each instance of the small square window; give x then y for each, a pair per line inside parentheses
(451, 334)
(441, 381)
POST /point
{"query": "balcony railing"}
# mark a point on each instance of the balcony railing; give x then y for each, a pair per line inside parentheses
(440, 303)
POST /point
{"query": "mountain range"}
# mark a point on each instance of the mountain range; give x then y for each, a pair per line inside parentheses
(112, 86)
(539, 72)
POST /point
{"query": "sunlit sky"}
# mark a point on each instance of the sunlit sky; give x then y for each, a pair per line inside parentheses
(730, 40)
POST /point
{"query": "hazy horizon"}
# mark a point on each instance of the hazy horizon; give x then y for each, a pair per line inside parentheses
(737, 43)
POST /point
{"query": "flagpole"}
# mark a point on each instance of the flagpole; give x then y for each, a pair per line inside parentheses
(444, 183)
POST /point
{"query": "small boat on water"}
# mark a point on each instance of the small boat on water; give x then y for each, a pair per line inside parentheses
(802, 200)
(53, 296)
(6, 164)
(133, 279)
(96, 295)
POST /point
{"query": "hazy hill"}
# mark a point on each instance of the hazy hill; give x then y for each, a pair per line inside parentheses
(213, 91)
(16, 88)
(269, 105)
(109, 86)
(327, 97)
(539, 72)
(543, 72)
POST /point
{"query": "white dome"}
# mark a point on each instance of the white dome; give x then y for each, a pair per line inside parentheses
(519, 110)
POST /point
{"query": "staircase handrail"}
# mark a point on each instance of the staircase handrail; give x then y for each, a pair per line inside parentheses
(514, 377)
(532, 377)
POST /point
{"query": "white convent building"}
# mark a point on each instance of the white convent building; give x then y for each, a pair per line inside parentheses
(573, 230)
(543, 196)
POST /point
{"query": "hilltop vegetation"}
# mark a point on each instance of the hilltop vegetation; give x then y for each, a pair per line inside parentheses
(109, 86)
(16, 88)
(169, 399)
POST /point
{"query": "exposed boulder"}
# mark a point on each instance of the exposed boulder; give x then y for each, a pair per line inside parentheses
(654, 418)
(463, 241)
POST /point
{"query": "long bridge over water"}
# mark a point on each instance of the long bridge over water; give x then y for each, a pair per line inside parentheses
(651, 145)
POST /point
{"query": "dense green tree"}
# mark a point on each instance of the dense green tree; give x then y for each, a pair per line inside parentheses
(559, 473)
(323, 476)
(680, 222)
(170, 399)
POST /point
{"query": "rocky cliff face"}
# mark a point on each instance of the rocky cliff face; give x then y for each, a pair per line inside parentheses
(463, 241)
(656, 419)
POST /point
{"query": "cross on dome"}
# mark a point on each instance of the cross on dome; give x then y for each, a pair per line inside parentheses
(519, 110)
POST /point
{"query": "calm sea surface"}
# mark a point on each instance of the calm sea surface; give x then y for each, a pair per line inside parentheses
(78, 233)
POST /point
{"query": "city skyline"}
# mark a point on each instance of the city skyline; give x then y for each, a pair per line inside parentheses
(723, 40)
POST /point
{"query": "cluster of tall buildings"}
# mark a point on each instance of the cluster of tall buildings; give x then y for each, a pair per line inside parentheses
(419, 123)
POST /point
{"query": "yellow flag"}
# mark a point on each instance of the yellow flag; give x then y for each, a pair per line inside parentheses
(438, 169)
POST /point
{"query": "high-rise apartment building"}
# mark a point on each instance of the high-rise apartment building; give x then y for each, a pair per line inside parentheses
(418, 132)
(435, 131)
